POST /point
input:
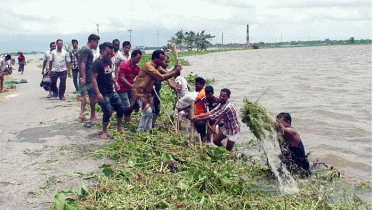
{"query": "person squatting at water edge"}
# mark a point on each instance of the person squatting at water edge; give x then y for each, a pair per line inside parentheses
(47, 58)
(59, 67)
(127, 74)
(228, 112)
(3, 63)
(142, 88)
(85, 60)
(292, 147)
(156, 93)
(201, 124)
(103, 80)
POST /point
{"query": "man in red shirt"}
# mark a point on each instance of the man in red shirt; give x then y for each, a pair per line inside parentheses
(127, 73)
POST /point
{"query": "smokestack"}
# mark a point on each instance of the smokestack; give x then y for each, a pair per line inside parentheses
(247, 37)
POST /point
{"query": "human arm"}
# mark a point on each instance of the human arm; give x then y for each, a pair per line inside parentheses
(50, 65)
(201, 117)
(100, 98)
(115, 82)
(68, 68)
(171, 84)
(160, 74)
(123, 79)
(291, 136)
(44, 65)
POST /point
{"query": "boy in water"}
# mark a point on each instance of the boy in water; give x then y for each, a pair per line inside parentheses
(292, 147)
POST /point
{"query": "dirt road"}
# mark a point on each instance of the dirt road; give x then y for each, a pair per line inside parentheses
(43, 145)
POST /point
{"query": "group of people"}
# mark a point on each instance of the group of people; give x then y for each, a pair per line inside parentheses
(115, 80)
(6, 63)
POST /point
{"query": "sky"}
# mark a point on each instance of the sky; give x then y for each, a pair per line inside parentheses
(27, 25)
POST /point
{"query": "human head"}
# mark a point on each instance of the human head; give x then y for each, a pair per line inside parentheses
(225, 94)
(8, 57)
(93, 41)
(107, 51)
(74, 42)
(59, 43)
(20, 53)
(284, 118)
(199, 83)
(52, 45)
(209, 90)
(116, 44)
(126, 47)
(158, 56)
(136, 56)
(166, 61)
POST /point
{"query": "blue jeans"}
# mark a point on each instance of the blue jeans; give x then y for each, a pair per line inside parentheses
(111, 100)
(126, 98)
(146, 121)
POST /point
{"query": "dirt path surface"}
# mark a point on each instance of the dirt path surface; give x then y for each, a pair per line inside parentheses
(43, 146)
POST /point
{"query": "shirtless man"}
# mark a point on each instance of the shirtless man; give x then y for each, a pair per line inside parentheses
(292, 142)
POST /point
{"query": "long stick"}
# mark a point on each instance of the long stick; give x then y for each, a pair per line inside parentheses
(173, 45)
(176, 117)
(193, 106)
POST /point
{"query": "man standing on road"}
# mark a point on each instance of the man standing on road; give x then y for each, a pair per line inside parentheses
(60, 62)
(74, 63)
(142, 88)
(47, 58)
(103, 81)
(85, 62)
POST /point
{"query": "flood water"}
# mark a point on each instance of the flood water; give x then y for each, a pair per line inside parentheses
(326, 89)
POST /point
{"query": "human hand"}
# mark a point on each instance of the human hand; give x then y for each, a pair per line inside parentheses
(82, 81)
(100, 98)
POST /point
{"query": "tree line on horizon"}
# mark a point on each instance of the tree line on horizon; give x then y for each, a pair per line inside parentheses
(199, 40)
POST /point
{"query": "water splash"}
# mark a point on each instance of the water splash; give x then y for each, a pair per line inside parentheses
(272, 150)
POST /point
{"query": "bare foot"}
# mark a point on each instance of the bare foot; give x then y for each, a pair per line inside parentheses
(96, 117)
(104, 136)
(50, 95)
(83, 118)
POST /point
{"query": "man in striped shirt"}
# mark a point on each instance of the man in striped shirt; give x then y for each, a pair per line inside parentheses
(228, 113)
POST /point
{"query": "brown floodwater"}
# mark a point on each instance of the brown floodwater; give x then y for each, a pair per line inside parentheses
(326, 89)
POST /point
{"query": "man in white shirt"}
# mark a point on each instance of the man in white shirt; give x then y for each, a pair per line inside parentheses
(47, 58)
(121, 57)
(59, 67)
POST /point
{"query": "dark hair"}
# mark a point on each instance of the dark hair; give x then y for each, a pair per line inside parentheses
(8, 56)
(59, 40)
(125, 43)
(284, 115)
(104, 45)
(50, 45)
(209, 89)
(135, 52)
(157, 54)
(73, 41)
(227, 91)
(200, 80)
(93, 37)
(116, 40)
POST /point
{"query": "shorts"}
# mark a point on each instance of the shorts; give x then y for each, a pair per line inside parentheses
(126, 98)
(233, 137)
(87, 89)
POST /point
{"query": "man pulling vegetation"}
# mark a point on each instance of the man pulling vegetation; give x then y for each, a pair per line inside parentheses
(292, 148)
(228, 112)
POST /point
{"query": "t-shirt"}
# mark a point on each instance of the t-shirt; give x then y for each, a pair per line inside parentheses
(47, 58)
(104, 79)
(86, 56)
(129, 74)
(2, 64)
(181, 81)
(199, 108)
(60, 60)
(185, 100)
(210, 103)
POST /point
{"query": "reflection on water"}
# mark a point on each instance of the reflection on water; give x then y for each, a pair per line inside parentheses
(327, 90)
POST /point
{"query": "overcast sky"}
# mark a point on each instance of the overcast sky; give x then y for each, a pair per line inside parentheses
(32, 25)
